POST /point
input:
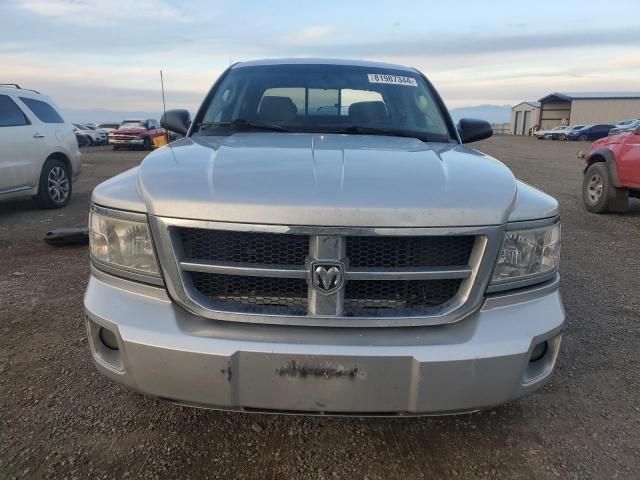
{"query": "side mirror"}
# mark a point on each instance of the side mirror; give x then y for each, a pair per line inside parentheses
(177, 121)
(472, 130)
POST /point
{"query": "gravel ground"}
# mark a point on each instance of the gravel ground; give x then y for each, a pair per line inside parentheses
(59, 418)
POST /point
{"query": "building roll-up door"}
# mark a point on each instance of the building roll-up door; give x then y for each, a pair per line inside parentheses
(518, 123)
(526, 124)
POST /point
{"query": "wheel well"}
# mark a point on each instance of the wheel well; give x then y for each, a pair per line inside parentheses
(606, 156)
(597, 158)
(63, 158)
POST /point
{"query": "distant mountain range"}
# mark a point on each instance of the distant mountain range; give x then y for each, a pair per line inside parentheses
(102, 115)
(490, 113)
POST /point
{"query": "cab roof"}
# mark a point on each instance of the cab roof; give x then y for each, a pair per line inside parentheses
(322, 61)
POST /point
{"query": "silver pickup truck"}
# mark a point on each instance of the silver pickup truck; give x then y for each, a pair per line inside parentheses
(322, 242)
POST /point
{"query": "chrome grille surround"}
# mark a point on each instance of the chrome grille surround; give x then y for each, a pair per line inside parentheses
(327, 244)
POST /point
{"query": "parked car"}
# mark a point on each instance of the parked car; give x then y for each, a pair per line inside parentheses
(562, 134)
(96, 137)
(146, 134)
(277, 259)
(590, 132)
(108, 127)
(626, 123)
(39, 154)
(542, 134)
(628, 126)
(612, 172)
(83, 140)
(96, 128)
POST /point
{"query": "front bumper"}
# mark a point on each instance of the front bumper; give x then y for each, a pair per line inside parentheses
(127, 142)
(480, 361)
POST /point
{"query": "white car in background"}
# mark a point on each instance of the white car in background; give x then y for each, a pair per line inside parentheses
(542, 134)
(624, 127)
(39, 153)
(97, 137)
(562, 133)
(108, 127)
(96, 128)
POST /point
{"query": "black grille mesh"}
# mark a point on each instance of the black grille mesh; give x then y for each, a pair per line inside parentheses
(402, 252)
(244, 247)
(253, 291)
(289, 296)
(366, 297)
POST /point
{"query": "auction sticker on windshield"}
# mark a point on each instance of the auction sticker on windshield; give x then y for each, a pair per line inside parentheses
(392, 79)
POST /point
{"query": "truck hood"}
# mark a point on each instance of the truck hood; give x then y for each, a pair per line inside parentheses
(128, 131)
(326, 180)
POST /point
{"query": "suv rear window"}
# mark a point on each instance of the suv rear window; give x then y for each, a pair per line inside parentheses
(45, 112)
(10, 113)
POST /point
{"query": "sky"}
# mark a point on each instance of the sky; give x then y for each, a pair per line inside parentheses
(106, 54)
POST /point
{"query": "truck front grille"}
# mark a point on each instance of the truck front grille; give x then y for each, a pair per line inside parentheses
(402, 252)
(244, 247)
(374, 297)
(259, 294)
(273, 274)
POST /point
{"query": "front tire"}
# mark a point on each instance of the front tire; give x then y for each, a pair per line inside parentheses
(562, 137)
(583, 138)
(599, 195)
(54, 187)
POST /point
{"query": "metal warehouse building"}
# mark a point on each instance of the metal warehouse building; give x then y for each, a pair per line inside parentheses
(523, 117)
(587, 108)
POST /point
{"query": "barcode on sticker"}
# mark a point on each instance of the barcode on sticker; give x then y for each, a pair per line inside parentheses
(392, 79)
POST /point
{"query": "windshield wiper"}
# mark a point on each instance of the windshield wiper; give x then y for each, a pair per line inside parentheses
(241, 123)
(361, 130)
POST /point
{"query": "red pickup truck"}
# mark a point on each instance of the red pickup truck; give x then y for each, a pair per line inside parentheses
(612, 173)
(146, 134)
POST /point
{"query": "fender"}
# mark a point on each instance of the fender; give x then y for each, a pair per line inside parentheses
(609, 158)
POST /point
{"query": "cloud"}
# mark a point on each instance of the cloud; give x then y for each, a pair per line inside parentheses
(308, 36)
(124, 87)
(631, 61)
(12, 47)
(101, 13)
(97, 53)
(466, 43)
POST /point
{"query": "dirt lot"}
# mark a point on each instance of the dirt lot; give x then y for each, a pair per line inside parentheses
(59, 418)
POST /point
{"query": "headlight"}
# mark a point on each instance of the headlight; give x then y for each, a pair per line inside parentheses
(528, 254)
(122, 241)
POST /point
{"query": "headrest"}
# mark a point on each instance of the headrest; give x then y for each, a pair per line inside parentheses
(367, 112)
(277, 109)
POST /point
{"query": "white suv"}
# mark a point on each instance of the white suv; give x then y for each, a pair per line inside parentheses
(39, 153)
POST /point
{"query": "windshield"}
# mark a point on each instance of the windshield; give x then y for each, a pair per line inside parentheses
(133, 124)
(326, 99)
